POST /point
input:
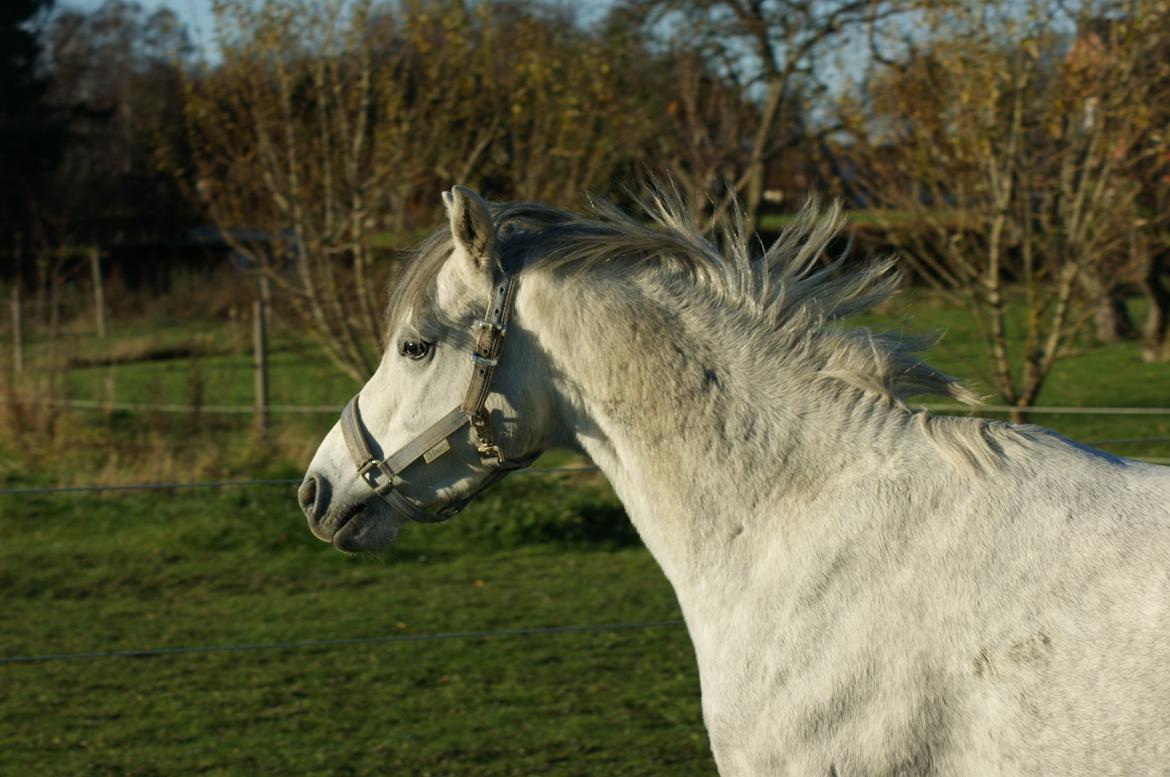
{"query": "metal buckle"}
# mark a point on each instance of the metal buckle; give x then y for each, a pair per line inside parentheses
(483, 360)
(491, 454)
(374, 464)
(501, 328)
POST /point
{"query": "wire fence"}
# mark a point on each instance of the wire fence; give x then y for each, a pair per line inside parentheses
(106, 405)
(1049, 410)
(547, 631)
(32, 490)
(153, 652)
(306, 410)
(183, 485)
(1128, 440)
(295, 409)
(93, 404)
(403, 638)
(310, 644)
(199, 484)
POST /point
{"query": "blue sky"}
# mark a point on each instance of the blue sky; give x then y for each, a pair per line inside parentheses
(198, 18)
(196, 14)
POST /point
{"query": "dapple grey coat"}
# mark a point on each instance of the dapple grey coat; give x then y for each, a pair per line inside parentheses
(870, 590)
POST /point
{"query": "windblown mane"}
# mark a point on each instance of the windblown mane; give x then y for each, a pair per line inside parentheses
(788, 292)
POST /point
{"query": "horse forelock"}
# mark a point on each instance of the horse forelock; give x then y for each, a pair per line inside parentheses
(412, 293)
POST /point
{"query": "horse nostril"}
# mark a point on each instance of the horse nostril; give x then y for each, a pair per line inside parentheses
(307, 496)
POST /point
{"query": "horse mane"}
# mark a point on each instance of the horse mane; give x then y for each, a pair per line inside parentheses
(794, 298)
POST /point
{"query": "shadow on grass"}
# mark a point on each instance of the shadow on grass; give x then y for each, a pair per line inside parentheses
(560, 511)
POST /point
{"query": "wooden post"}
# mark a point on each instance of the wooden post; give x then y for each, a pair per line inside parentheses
(260, 362)
(54, 307)
(266, 298)
(99, 297)
(17, 334)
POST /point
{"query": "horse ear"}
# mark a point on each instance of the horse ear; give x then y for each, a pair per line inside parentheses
(471, 225)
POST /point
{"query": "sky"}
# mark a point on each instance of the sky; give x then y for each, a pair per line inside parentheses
(195, 15)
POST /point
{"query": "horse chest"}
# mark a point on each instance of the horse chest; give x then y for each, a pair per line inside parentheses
(849, 724)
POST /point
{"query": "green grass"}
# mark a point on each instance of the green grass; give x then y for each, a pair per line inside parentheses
(97, 573)
(129, 572)
(115, 572)
(299, 375)
(1090, 375)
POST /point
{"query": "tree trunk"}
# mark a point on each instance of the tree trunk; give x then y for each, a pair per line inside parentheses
(755, 194)
(1155, 268)
(1112, 318)
(771, 117)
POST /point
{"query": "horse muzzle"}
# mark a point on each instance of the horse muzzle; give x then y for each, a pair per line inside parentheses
(362, 525)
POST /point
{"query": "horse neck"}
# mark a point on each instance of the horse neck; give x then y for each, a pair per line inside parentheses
(703, 440)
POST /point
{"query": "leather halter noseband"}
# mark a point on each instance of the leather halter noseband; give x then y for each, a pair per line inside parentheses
(382, 475)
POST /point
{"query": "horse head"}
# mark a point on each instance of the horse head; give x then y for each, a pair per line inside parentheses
(449, 409)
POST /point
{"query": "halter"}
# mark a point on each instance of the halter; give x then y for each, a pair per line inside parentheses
(382, 475)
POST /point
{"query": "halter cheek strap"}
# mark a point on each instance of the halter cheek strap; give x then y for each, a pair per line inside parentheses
(382, 475)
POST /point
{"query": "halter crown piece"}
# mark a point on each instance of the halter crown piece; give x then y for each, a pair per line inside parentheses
(382, 475)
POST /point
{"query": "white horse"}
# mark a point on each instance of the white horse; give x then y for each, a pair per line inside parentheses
(870, 590)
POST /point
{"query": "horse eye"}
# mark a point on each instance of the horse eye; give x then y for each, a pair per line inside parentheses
(415, 349)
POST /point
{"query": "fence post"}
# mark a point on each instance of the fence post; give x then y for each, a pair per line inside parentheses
(54, 307)
(260, 363)
(266, 294)
(99, 297)
(17, 333)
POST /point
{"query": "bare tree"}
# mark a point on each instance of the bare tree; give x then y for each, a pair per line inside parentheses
(327, 124)
(702, 147)
(576, 106)
(115, 75)
(293, 135)
(1151, 250)
(780, 50)
(1104, 60)
(1150, 240)
(1005, 144)
(324, 129)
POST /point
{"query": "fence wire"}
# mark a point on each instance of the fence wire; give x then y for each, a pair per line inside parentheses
(104, 405)
(1048, 410)
(32, 490)
(334, 643)
(397, 638)
(99, 404)
(1128, 440)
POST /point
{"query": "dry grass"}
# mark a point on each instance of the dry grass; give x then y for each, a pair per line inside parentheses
(139, 348)
(75, 448)
(49, 442)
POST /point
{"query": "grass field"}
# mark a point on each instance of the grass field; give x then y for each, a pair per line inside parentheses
(116, 572)
(238, 567)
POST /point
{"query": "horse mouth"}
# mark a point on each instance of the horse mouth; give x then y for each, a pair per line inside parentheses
(360, 529)
(346, 521)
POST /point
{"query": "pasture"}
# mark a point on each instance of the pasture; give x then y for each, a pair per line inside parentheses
(236, 567)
